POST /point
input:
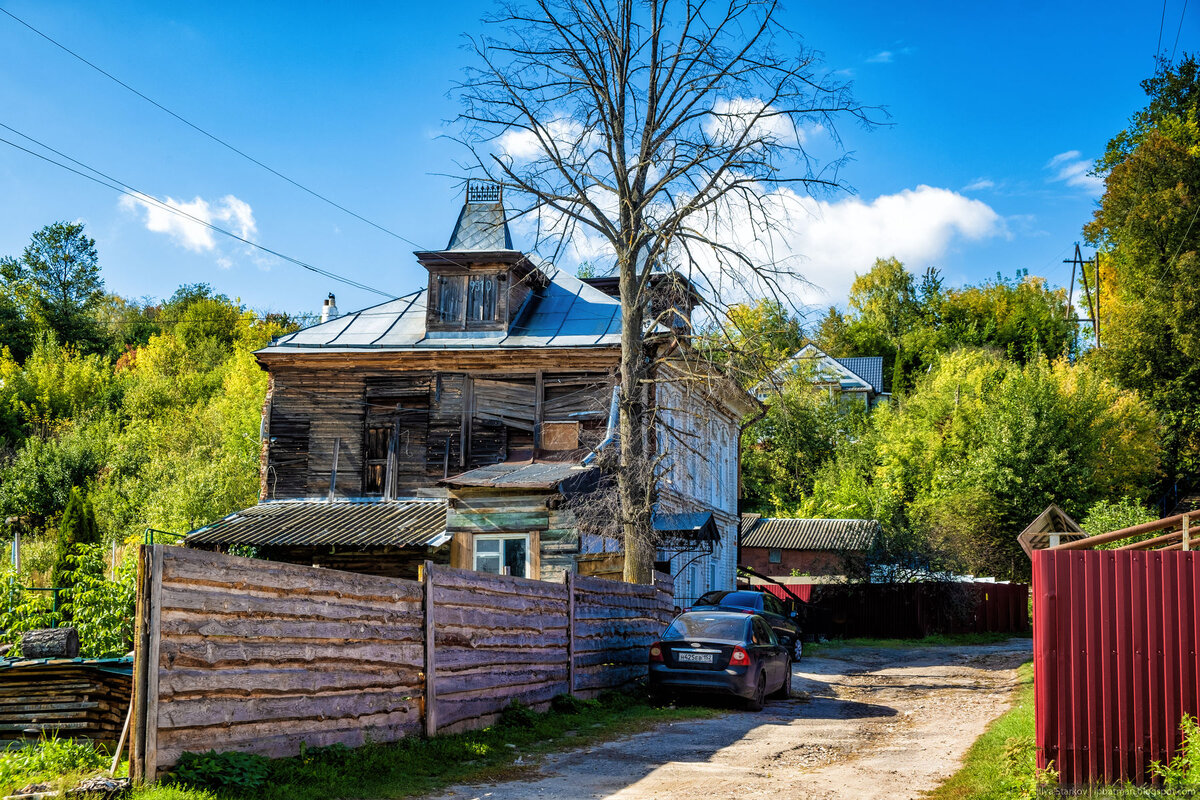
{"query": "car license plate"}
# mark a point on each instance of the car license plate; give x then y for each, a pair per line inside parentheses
(694, 658)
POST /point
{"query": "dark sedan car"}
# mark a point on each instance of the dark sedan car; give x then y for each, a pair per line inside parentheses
(785, 623)
(720, 652)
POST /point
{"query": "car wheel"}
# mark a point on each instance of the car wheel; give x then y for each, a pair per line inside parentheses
(785, 690)
(797, 649)
(756, 700)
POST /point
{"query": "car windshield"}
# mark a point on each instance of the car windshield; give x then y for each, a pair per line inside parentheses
(742, 600)
(711, 599)
(707, 626)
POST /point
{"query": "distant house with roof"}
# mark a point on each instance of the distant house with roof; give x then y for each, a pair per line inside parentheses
(856, 380)
(454, 422)
(779, 547)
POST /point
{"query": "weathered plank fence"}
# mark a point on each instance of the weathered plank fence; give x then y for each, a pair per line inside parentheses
(260, 656)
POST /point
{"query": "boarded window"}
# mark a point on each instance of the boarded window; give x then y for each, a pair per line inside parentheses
(481, 298)
(287, 462)
(396, 433)
(450, 297)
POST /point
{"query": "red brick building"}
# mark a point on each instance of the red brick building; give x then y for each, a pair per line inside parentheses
(781, 547)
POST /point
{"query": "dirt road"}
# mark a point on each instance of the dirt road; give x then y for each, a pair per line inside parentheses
(864, 723)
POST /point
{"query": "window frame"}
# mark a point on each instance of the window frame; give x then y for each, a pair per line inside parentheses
(477, 538)
(775, 555)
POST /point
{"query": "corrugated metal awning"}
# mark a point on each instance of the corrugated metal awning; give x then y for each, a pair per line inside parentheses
(398, 523)
(693, 526)
(811, 534)
(567, 474)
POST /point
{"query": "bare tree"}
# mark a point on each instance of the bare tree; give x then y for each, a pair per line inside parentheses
(664, 129)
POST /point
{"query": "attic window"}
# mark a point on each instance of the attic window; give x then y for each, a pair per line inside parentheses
(481, 298)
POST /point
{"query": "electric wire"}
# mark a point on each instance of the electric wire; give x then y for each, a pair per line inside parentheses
(119, 186)
(218, 139)
(1157, 47)
(211, 136)
(1177, 30)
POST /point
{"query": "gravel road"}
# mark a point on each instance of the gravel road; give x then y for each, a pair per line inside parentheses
(863, 723)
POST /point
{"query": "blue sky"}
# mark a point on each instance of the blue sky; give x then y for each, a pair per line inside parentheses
(995, 110)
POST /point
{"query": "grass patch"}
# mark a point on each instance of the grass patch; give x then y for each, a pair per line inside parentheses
(997, 767)
(936, 640)
(417, 766)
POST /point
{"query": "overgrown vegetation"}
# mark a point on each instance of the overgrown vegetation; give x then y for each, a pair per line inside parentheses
(60, 762)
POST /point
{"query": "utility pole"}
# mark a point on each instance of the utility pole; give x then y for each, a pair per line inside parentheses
(1078, 263)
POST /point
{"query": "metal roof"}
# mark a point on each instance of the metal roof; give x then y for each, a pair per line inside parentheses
(692, 526)
(565, 313)
(481, 226)
(869, 368)
(398, 523)
(812, 534)
(527, 475)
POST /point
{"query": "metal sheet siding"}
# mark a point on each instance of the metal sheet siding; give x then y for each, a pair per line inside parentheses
(1115, 663)
(314, 522)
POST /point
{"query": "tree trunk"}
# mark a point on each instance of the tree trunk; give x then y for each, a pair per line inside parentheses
(632, 474)
(51, 643)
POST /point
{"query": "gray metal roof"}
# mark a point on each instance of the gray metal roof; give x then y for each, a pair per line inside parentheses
(811, 534)
(399, 523)
(695, 526)
(869, 368)
(526, 475)
(566, 313)
(481, 226)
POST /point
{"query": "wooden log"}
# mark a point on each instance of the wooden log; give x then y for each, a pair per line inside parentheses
(430, 640)
(217, 653)
(301, 679)
(223, 712)
(51, 643)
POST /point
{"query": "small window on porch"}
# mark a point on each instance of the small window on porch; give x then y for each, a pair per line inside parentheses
(502, 554)
(775, 555)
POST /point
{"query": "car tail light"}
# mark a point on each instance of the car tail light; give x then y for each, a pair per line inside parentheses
(740, 657)
(656, 653)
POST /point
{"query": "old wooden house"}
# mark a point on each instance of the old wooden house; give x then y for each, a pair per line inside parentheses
(456, 422)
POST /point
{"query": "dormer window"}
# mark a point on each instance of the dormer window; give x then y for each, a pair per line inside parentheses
(482, 292)
(450, 298)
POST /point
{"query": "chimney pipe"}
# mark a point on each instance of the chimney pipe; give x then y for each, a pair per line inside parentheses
(329, 309)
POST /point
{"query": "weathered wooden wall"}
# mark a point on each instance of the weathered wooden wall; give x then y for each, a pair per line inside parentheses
(446, 423)
(73, 698)
(260, 656)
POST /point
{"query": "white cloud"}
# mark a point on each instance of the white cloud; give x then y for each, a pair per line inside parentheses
(979, 184)
(831, 242)
(230, 213)
(882, 57)
(730, 118)
(1070, 168)
(522, 144)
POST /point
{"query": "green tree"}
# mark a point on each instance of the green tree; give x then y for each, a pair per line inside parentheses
(756, 338)
(1147, 224)
(58, 279)
(77, 528)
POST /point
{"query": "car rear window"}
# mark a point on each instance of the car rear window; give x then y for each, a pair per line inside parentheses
(711, 599)
(743, 599)
(704, 626)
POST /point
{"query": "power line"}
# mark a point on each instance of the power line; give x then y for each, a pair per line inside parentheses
(1157, 47)
(1177, 30)
(211, 136)
(125, 189)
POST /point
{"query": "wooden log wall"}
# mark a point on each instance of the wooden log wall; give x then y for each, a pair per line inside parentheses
(615, 624)
(260, 656)
(496, 639)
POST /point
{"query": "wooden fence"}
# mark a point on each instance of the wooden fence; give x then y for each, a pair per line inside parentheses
(260, 656)
(1115, 665)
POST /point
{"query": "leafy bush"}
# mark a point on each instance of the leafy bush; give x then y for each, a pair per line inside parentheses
(102, 609)
(50, 758)
(222, 772)
(570, 704)
(517, 715)
(1184, 770)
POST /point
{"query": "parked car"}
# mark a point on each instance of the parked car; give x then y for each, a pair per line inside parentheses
(785, 623)
(720, 652)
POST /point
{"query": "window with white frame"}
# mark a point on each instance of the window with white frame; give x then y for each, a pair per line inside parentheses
(503, 554)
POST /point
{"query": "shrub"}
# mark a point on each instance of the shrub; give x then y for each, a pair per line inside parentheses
(570, 704)
(222, 772)
(517, 715)
(1184, 770)
(49, 759)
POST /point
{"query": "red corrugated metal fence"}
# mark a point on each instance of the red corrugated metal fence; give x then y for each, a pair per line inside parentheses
(1115, 666)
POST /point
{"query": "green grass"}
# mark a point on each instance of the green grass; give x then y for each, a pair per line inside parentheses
(937, 640)
(998, 765)
(417, 766)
